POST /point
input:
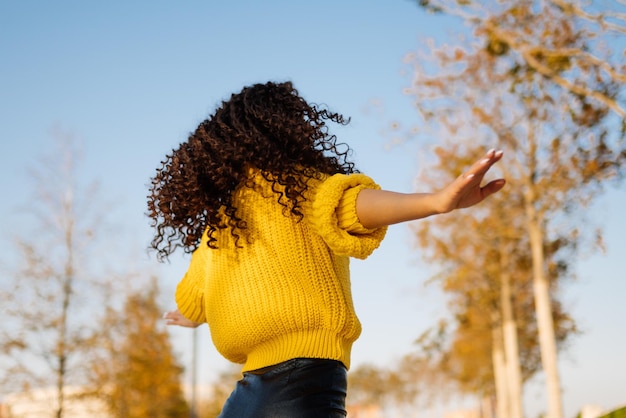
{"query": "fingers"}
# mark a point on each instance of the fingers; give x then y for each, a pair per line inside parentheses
(176, 318)
(480, 167)
(173, 317)
(493, 187)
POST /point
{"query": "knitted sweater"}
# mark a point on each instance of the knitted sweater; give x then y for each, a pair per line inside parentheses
(286, 292)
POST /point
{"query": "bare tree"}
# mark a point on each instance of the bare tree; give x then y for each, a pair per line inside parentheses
(48, 304)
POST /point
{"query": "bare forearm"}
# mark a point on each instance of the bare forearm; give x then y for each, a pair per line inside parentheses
(377, 208)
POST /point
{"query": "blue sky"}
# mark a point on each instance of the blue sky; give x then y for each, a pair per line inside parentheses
(133, 78)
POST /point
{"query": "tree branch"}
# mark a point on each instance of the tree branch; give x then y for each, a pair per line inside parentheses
(529, 54)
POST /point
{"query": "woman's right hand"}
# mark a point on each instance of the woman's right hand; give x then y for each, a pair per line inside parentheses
(176, 318)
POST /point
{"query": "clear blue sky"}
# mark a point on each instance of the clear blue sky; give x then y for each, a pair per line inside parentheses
(133, 78)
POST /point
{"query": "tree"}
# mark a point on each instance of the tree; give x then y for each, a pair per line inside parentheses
(368, 386)
(211, 406)
(46, 335)
(138, 374)
(574, 67)
(526, 81)
(485, 268)
(386, 389)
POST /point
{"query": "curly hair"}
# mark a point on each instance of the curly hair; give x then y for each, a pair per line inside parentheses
(269, 127)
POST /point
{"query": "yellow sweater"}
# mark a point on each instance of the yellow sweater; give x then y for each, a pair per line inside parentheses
(286, 293)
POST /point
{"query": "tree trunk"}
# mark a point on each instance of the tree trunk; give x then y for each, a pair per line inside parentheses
(67, 226)
(511, 349)
(545, 322)
(499, 372)
(486, 407)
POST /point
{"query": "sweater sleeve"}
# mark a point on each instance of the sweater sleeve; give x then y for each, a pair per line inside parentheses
(189, 292)
(333, 216)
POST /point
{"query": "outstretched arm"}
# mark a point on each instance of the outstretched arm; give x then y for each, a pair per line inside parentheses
(176, 318)
(377, 208)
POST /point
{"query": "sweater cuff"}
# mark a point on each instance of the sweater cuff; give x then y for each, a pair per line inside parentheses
(347, 217)
(335, 219)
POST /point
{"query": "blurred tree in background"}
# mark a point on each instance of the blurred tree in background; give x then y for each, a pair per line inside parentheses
(137, 373)
(65, 324)
(575, 45)
(397, 390)
(543, 81)
(46, 338)
(489, 346)
(210, 404)
(369, 386)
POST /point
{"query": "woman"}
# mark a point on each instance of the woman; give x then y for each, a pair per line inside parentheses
(272, 210)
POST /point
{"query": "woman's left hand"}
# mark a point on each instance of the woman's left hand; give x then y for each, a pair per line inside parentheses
(466, 191)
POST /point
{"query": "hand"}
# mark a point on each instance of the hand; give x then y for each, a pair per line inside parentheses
(466, 191)
(176, 318)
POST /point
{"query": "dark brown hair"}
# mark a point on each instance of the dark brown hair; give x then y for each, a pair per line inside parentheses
(265, 126)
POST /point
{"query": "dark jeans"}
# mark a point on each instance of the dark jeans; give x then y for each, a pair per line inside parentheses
(302, 388)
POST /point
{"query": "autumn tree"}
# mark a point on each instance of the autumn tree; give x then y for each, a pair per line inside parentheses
(210, 406)
(138, 374)
(538, 79)
(488, 345)
(582, 67)
(47, 331)
(394, 389)
(368, 386)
